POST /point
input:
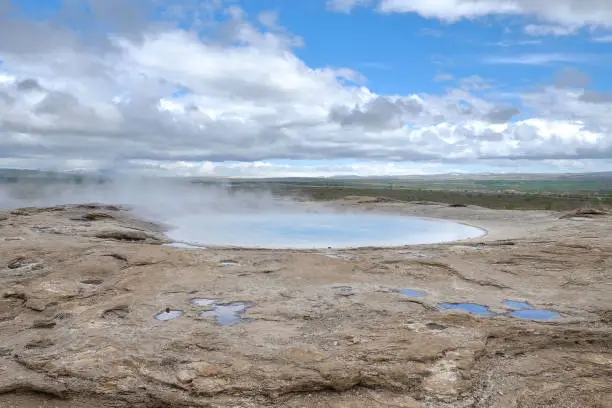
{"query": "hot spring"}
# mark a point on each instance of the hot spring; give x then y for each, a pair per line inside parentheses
(203, 215)
(303, 230)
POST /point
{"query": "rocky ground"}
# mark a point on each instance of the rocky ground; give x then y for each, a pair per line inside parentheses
(80, 287)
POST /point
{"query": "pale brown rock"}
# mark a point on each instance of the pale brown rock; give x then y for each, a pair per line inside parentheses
(36, 304)
(81, 332)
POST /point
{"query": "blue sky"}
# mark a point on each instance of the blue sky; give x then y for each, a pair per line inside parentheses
(318, 87)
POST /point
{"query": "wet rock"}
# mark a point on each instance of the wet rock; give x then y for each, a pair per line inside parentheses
(101, 207)
(117, 312)
(14, 293)
(435, 326)
(41, 343)
(97, 215)
(16, 262)
(43, 324)
(119, 257)
(25, 269)
(94, 282)
(126, 235)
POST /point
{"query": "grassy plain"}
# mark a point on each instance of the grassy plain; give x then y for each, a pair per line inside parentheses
(510, 191)
(559, 193)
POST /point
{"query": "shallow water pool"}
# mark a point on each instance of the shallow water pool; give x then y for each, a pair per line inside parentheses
(412, 292)
(468, 307)
(314, 230)
(169, 314)
(227, 314)
(514, 304)
(535, 314)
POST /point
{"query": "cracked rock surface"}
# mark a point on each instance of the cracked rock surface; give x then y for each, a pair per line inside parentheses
(80, 287)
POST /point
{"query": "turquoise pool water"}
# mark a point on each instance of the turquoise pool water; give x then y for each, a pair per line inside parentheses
(314, 230)
(412, 292)
(513, 304)
(468, 307)
(535, 314)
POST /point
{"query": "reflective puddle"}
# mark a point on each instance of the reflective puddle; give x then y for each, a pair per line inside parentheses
(169, 314)
(183, 245)
(229, 262)
(518, 305)
(525, 310)
(204, 302)
(535, 314)
(313, 229)
(412, 292)
(227, 314)
(468, 307)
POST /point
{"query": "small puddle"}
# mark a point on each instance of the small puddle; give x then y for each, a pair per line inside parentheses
(204, 302)
(468, 307)
(169, 314)
(535, 314)
(412, 292)
(183, 245)
(227, 314)
(344, 257)
(343, 290)
(228, 262)
(518, 305)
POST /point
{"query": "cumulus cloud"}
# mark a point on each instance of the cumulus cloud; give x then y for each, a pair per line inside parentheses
(549, 29)
(557, 13)
(159, 95)
(540, 58)
(603, 39)
(592, 96)
(572, 77)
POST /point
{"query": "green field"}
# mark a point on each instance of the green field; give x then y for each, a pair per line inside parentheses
(512, 191)
(559, 193)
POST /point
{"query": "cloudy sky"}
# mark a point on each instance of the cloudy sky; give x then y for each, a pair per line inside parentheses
(306, 87)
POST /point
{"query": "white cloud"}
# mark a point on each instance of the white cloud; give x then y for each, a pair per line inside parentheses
(444, 77)
(549, 29)
(603, 39)
(296, 169)
(560, 13)
(346, 5)
(512, 43)
(538, 58)
(162, 97)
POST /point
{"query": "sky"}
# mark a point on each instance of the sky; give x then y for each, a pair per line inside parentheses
(270, 88)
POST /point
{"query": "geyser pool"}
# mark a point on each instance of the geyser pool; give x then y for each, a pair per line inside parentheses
(313, 229)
